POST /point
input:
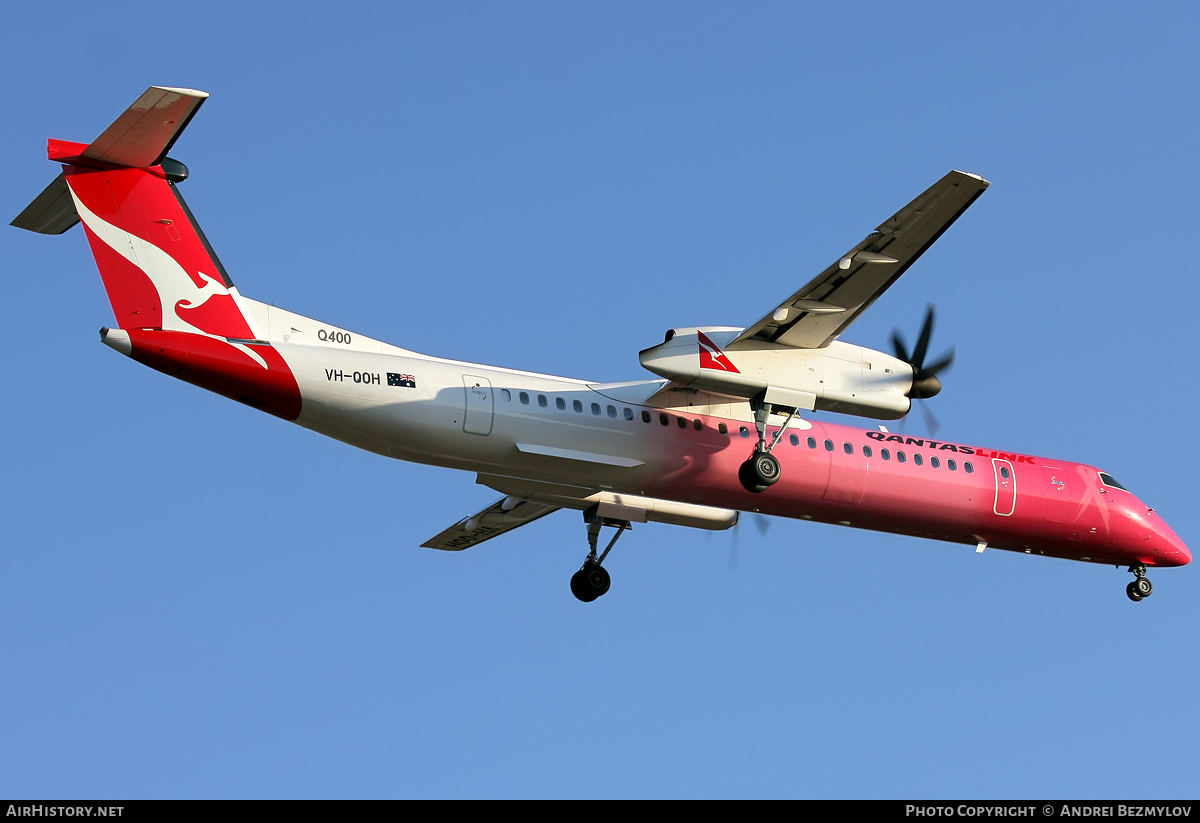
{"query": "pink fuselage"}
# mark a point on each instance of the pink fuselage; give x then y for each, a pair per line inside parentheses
(839, 474)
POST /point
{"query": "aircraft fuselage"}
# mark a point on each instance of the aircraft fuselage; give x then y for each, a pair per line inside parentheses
(624, 438)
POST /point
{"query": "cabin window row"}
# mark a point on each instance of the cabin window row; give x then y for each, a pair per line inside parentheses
(665, 419)
(525, 399)
(918, 459)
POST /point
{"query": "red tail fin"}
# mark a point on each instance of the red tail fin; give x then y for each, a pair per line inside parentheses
(177, 309)
(158, 268)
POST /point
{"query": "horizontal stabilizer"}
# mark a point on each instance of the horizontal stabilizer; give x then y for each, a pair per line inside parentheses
(142, 136)
(138, 139)
(51, 212)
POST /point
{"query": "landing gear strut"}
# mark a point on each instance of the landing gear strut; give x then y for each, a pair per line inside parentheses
(592, 580)
(762, 470)
(1140, 588)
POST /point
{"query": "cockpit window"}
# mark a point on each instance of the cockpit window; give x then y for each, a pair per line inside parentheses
(1107, 479)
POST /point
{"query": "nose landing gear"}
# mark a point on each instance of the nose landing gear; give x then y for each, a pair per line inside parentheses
(1140, 588)
(592, 580)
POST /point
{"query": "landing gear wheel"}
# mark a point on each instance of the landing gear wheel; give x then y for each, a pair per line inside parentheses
(747, 478)
(766, 468)
(579, 588)
(1141, 587)
(590, 582)
(759, 472)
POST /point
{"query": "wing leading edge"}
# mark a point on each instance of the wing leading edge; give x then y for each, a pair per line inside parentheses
(815, 315)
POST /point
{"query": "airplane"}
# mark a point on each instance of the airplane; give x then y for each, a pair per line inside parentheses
(722, 428)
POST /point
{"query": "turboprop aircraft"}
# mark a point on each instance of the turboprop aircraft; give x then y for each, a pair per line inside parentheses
(722, 429)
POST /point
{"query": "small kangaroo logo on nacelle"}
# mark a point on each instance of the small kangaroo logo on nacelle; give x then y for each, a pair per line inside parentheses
(712, 357)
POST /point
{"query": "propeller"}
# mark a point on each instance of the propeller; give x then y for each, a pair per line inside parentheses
(762, 522)
(925, 382)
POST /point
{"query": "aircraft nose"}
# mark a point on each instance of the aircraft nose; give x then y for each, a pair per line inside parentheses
(1182, 553)
(1177, 552)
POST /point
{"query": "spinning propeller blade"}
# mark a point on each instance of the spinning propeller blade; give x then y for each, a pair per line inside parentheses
(925, 382)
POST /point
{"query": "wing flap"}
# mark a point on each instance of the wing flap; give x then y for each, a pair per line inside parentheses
(815, 315)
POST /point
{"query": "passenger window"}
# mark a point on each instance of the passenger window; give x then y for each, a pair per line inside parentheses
(505, 395)
(662, 418)
(828, 445)
(918, 459)
(885, 454)
(628, 413)
(866, 451)
(524, 398)
(744, 432)
(682, 422)
(596, 409)
(722, 428)
(900, 458)
(577, 406)
(933, 461)
(968, 468)
(1004, 472)
(812, 442)
(795, 441)
(697, 425)
(847, 448)
(542, 401)
(951, 465)
(560, 403)
(612, 412)
(645, 416)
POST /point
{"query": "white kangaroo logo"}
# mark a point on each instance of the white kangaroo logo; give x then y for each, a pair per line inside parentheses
(175, 287)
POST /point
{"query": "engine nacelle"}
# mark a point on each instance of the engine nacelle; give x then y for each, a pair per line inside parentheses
(840, 377)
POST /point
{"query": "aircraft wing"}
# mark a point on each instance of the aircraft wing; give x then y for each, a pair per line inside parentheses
(491, 522)
(814, 316)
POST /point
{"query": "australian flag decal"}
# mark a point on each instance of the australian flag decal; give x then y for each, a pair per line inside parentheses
(405, 380)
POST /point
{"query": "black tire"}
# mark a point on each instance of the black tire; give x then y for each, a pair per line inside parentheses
(595, 579)
(579, 588)
(1133, 593)
(766, 469)
(1143, 586)
(747, 477)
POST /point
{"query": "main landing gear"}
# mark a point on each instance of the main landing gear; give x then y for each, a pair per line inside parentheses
(1140, 588)
(762, 470)
(592, 580)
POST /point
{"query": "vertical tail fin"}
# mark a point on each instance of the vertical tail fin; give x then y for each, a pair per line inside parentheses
(176, 308)
(158, 268)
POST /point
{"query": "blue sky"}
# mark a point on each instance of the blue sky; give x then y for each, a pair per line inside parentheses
(201, 601)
